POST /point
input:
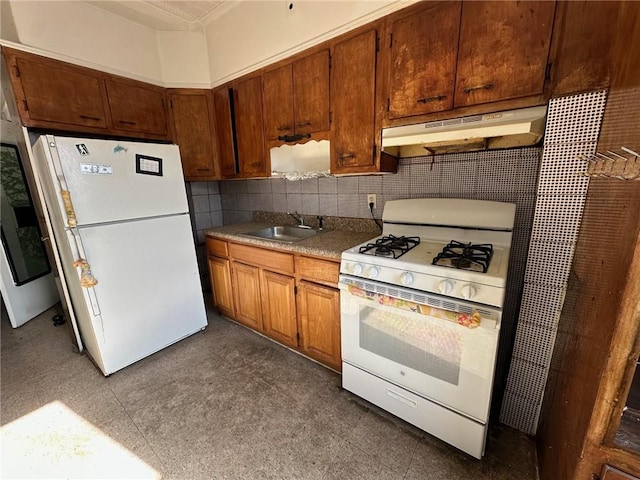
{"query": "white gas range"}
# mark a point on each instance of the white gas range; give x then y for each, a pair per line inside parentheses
(420, 314)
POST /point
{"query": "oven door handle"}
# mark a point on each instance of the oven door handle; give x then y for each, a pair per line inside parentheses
(364, 290)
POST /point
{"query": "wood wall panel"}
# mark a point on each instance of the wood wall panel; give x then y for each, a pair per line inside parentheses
(608, 236)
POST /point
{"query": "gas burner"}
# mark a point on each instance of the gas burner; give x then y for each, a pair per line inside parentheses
(390, 246)
(465, 256)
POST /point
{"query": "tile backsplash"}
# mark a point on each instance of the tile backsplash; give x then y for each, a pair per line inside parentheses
(501, 175)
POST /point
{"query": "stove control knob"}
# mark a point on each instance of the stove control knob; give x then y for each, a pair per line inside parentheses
(406, 278)
(357, 269)
(373, 272)
(468, 291)
(445, 286)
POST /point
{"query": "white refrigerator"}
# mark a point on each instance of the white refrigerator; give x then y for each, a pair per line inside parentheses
(120, 222)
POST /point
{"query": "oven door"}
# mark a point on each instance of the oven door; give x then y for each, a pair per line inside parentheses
(427, 344)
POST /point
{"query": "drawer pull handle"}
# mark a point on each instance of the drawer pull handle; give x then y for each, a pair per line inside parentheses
(486, 86)
(435, 98)
(402, 398)
(283, 127)
(303, 124)
(294, 138)
(126, 122)
(87, 117)
(344, 156)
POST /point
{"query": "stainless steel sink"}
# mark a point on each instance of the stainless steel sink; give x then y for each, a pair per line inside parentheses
(283, 233)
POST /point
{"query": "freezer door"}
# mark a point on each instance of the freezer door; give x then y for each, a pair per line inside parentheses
(148, 294)
(110, 180)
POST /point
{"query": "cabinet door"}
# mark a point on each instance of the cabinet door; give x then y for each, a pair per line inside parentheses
(424, 47)
(192, 118)
(311, 93)
(503, 50)
(137, 107)
(279, 308)
(51, 91)
(584, 60)
(352, 100)
(222, 99)
(220, 274)
(319, 313)
(248, 122)
(278, 102)
(247, 295)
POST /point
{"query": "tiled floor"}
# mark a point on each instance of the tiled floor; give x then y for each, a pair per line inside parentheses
(227, 403)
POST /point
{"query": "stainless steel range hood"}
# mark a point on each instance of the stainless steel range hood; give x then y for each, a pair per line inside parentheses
(509, 129)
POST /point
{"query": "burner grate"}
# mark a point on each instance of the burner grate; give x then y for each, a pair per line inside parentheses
(465, 256)
(390, 246)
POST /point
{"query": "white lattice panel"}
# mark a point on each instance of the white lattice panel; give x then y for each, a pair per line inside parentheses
(557, 218)
(561, 168)
(541, 305)
(573, 124)
(549, 263)
(575, 119)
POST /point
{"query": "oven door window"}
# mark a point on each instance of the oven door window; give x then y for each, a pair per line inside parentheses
(413, 342)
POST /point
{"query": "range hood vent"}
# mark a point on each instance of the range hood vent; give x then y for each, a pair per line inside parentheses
(510, 129)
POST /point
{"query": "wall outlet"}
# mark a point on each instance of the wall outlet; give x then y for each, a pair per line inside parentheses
(371, 198)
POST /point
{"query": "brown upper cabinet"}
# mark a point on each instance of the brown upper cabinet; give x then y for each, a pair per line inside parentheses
(353, 104)
(222, 98)
(62, 96)
(585, 50)
(250, 145)
(137, 107)
(296, 98)
(192, 130)
(423, 44)
(502, 50)
(55, 94)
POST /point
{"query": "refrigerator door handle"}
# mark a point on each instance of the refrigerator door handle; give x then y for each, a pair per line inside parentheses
(68, 208)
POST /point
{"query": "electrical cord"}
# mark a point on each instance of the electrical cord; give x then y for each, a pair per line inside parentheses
(374, 218)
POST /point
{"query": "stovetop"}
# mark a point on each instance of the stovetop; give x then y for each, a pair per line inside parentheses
(447, 228)
(414, 269)
(465, 256)
(389, 246)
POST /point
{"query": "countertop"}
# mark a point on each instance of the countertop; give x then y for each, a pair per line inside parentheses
(329, 243)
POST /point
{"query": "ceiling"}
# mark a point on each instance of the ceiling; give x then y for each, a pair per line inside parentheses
(167, 14)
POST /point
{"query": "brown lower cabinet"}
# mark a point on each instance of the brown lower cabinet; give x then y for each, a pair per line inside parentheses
(288, 297)
(246, 278)
(279, 308)
(319, 315)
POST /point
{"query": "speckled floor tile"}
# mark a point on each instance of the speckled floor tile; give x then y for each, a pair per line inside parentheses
(227, 403)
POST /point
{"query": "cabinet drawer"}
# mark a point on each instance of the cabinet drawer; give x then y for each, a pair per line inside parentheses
(217, 247)
(317, 270)
(274, 261)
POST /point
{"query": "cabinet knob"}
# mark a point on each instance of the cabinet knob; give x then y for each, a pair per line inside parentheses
(486, 86)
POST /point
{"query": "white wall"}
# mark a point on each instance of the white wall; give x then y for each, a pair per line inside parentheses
(80, 31)
(184, 59)
(256, 33)
(248, 35)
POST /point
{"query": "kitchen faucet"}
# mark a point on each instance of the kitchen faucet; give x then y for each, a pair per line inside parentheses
(299, 218)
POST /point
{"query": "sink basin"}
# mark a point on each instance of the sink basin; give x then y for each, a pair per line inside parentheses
(283, 233)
